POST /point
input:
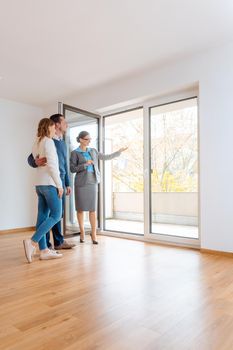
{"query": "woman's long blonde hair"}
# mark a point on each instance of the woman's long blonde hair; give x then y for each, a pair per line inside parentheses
(43, 128)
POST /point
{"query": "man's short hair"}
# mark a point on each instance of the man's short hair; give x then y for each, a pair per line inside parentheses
(56, 117)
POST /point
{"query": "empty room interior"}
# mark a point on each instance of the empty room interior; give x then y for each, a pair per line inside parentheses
(116, 214)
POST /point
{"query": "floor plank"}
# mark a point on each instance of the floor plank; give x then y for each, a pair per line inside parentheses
(120, 294)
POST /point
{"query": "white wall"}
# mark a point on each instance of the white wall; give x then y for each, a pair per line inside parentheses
(18, 201)
(213, 70)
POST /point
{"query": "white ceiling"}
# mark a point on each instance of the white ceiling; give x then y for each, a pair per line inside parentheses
(55, 48)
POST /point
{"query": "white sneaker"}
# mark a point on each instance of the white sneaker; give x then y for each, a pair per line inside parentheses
(29, 249)
(51, 254)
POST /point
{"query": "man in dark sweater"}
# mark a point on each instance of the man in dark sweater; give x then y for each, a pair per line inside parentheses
(61, 126)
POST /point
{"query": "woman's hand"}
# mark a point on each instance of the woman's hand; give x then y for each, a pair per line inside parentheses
(89, 162)
(60, 192)
(122, 149)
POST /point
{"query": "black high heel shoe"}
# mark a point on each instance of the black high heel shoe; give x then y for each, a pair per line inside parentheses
(82, 240)
(93, 241)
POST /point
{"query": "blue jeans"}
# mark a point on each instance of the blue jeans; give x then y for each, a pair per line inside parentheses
(57, 229)
(49, 213)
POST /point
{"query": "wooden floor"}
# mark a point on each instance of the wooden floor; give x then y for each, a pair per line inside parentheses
(120, 295)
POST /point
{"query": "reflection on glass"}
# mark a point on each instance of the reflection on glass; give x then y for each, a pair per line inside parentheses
(77, 122)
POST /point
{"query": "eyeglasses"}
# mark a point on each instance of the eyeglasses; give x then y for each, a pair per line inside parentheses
(88, 139)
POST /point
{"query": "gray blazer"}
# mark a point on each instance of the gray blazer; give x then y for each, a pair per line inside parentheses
(77, 166)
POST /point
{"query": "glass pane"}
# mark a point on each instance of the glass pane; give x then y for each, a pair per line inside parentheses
(77, 122)
(123, 183)
(174, 169)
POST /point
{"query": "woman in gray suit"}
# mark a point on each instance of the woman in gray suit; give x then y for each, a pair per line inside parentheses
(84, 162)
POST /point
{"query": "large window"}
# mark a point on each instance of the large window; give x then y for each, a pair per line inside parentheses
(174, 168)
(123, 181)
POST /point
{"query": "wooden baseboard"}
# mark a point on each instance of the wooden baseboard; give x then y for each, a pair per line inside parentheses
(216, 252)
(17, 230)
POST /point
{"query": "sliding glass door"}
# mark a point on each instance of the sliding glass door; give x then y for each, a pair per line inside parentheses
(152, 188)
(174, 169)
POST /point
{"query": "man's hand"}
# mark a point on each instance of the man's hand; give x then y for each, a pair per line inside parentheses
(41, 161)
(68, 190)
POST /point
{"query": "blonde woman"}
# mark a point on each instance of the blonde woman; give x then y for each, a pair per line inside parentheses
(49, 191)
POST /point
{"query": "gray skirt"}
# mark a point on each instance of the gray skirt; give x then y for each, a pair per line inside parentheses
(86, 197)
